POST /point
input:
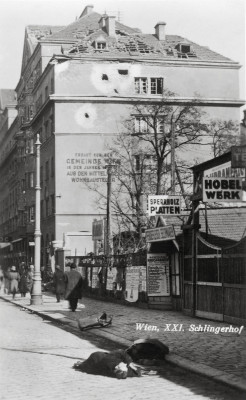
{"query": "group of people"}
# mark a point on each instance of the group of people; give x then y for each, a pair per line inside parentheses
(13, 281)
(69, 285)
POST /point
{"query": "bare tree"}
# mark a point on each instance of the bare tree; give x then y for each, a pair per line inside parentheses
(223, 134)
(143, 147)
(163, 127)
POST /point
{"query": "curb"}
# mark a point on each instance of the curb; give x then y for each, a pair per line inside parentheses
(197, 368)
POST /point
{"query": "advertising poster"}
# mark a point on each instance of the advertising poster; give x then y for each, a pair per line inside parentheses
(95, 278)
(142, 278)
(158, 279)
(89, 276)
(111, 278)
(132, 284)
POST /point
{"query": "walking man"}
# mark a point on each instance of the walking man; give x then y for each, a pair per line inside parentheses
(59, 283)
(74, 283)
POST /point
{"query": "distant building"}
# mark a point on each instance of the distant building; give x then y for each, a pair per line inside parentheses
(77, 84)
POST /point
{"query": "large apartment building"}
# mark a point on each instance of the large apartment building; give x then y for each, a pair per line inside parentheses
(77, 84)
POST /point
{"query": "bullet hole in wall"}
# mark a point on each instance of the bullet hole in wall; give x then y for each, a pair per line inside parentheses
(104, 77)
(123, 71)
(86, 115)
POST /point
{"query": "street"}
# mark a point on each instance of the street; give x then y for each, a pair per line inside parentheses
(37, 358)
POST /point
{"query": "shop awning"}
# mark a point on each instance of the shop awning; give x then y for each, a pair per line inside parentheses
(17, 240)
(3, 245)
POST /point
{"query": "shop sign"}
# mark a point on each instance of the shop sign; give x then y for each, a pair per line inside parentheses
(164, 205)
(238, 156)
(160, 234)
(158, 275)
(225, 170)
(222, 189)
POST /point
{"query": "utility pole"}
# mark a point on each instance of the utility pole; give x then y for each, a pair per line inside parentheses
(109, 194)
(172, 158)
(36, 296)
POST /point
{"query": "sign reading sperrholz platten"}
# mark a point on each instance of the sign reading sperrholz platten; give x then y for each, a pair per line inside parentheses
(164, 205)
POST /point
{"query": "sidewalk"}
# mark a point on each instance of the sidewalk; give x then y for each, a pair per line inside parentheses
(220, 356)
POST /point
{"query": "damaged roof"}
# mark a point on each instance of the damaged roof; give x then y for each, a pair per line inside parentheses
(127, 41)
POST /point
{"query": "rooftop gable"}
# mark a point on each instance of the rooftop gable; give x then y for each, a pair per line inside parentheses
(33, 35)
(7, 97)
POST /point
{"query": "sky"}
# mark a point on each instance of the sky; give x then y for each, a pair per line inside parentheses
(218, 24)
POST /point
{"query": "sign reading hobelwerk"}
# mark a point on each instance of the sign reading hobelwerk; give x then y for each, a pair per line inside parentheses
(164, 205)
(222, 189)
(160, 234)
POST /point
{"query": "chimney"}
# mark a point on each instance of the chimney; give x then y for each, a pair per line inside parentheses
(102, 21)
(87, 11)
(160, 30)
(110, 26)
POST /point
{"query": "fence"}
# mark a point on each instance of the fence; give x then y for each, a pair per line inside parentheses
(120, 278)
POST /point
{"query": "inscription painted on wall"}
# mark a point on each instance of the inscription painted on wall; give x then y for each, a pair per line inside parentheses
(89, 167)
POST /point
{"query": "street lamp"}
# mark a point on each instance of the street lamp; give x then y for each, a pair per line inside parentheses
(36, 296)
(110, 169)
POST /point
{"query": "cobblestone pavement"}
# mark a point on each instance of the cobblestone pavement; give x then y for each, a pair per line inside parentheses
(37, 358)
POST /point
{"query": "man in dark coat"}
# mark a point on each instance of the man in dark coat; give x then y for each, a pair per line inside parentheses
(73, 284)
(59, 283)
(116, 364)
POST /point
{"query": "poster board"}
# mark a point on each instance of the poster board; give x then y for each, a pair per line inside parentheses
(132, 284)
(158, 274)
(111, 278)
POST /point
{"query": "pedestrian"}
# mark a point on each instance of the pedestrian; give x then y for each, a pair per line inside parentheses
(1, 279)
(23, 287)
(14, 278)
(59, 283)
(29, 279)
(6, 281)
(74, 285)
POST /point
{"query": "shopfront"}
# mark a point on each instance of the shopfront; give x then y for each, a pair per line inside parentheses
(163, 267)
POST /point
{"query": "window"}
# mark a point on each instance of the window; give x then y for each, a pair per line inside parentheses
(23, 185)
(42, 209)
(185, 48)
(30, 146)
(101, 45)
(144, 162)
(29, 180)
(46, 92)
(41, 176)
(141, 85)
(156, 85)
(30, 112)
(52, 167)
(31, 215)
(52, 87)
(47, 211)
(149, 85)
(141, 125)
(47, 170)
(46, 129)
(51, 124)
(52, 198)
